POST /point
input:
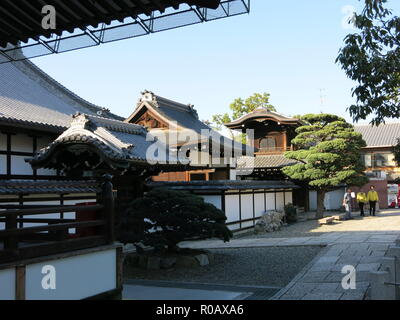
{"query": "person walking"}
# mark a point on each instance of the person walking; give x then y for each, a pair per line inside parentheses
(362, 200)
(372, 198)
(347, 204)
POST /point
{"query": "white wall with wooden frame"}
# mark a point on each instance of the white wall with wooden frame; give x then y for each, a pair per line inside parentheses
(15, 147)
(244, 207)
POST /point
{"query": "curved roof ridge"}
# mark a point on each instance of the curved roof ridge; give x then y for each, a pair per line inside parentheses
(117, 125)
(159, 101)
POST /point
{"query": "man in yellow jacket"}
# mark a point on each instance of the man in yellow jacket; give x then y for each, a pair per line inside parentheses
(372, 198)
(362, 200)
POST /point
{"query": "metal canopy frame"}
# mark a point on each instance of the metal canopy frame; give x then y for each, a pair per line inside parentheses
(122, 29)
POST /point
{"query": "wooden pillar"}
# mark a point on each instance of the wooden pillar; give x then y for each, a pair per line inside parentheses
(107, 200)
(285, 139)
(20, 272)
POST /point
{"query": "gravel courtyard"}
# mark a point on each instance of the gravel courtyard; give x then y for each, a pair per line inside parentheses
(270, 266)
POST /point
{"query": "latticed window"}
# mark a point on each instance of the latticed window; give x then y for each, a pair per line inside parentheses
(268, 143)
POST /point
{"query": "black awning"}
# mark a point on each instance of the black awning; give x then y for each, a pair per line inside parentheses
(87, 23)
(21, 20)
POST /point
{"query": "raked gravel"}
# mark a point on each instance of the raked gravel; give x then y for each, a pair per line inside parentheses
(272, 266)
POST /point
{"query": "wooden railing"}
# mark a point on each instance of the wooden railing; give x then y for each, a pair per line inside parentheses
(52, 235)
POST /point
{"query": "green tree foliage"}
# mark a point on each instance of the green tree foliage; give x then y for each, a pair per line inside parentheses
(163, 218)
(239, 108)
(328, 151)
(371, 57)
(396, 151)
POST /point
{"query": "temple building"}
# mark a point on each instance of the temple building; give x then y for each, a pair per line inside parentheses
(178, 126)
(273, 133)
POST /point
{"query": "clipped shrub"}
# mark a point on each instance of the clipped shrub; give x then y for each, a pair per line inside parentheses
(163, 218)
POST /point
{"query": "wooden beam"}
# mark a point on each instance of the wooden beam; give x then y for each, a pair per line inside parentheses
(20, 273)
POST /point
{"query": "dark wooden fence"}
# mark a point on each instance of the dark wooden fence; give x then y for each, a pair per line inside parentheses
(51, 235)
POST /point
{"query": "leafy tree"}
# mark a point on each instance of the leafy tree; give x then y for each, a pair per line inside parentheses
(396, 152)
(239, 108)
(163, 218)
(328, 151)
(371, 57)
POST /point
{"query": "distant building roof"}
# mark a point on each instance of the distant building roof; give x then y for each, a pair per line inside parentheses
(183, 118)
(384, 135)
(260, 115)
(32, 99)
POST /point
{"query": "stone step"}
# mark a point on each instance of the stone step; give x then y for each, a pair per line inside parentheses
(328, 220)
(339, 217)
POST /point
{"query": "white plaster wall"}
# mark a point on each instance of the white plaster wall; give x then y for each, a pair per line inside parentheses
(288, 197)
(19, 166)
(270, 201)
(232, 207)
(279, 201)
(77, 277)
(313, 200)
(215, 200)
(247, 206)
(21, 143)
(7, 284)
(259, 204)
(3, 164)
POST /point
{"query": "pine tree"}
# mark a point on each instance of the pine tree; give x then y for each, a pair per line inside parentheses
(329, 154)
(163, 218)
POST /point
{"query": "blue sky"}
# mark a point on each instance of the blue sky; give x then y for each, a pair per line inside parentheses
(286, 48)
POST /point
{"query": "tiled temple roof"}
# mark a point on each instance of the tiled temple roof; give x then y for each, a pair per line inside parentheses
(119, 144)
(47, 187)
(32, 99)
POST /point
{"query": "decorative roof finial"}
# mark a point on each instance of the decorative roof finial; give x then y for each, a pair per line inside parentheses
(148, 96)
(193, 110)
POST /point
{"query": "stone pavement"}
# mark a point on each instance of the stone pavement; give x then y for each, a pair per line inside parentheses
(321, 279)
(171, 290)
(326, 239)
